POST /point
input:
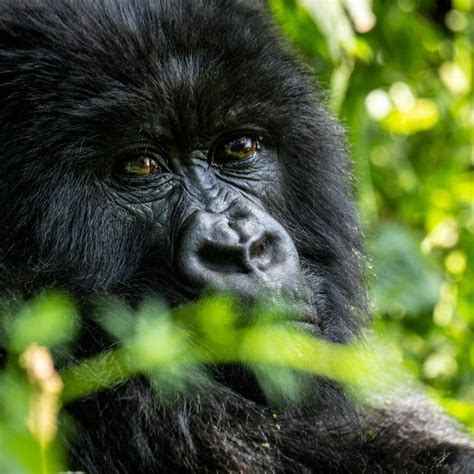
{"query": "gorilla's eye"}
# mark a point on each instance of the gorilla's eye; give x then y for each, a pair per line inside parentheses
(235, 148)
(143, 166)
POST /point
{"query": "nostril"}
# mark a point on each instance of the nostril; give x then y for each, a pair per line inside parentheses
(257, 249)
(221, 258)
(260, 252)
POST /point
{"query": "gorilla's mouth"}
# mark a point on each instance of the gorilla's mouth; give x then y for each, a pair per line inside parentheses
(293, 309)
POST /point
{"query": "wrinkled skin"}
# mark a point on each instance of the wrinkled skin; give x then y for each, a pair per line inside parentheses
(163, 147)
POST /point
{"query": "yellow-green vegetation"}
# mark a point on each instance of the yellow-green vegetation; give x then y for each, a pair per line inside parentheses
(173, 349)
(400, 76)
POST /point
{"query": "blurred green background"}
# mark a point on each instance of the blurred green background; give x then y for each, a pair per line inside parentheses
(399, 76)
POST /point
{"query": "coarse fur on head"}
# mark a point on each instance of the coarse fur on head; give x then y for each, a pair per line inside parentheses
(79, 81)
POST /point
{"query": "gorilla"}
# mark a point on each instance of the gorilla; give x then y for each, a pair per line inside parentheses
(161, 147)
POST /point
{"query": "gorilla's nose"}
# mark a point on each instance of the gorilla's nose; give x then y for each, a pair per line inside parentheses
(245, 251)
(232, 253)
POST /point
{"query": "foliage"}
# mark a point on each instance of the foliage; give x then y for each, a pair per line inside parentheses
(399, 73)
(173, 349)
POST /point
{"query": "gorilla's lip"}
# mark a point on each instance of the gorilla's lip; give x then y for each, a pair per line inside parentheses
(292, 307)
(296, 315)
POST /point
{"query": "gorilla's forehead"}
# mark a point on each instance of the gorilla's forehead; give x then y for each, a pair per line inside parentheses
(160, 62)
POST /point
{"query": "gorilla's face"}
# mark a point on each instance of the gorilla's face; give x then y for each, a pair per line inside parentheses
(203, 203)
(166, 148)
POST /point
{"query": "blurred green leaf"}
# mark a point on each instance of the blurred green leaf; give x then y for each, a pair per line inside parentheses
(405, 283)
(50, 320)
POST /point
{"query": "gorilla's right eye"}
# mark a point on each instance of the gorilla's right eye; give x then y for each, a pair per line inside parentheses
(235, 148)
(142, 166)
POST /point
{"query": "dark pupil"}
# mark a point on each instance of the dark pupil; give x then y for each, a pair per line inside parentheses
(240, 148)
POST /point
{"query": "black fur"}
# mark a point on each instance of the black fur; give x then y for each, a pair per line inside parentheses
(79, 76)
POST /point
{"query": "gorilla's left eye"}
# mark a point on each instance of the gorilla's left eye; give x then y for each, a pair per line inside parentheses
(143, 166)
(235, 148)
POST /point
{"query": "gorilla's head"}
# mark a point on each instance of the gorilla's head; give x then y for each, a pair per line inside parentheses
(163, 147)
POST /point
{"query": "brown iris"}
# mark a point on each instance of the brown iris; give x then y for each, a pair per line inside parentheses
(142, 166)
(235, 149)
